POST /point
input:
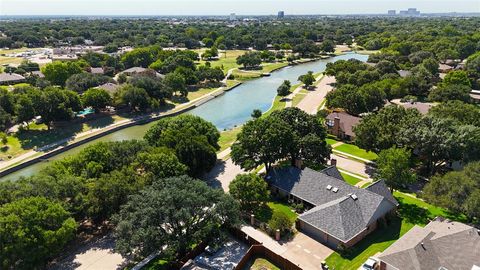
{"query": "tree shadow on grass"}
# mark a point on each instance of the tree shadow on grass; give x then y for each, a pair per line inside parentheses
(100, 122)
(413, 213)
(30, 139)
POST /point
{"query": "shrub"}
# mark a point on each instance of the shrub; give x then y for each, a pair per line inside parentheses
(280, 221)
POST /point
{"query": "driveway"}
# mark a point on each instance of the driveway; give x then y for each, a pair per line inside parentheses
(222, 174)
(352, 166)
(313, 99)
(98, 255)
(306, 252)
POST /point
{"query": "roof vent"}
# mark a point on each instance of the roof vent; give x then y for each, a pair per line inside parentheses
(354, 197)
(335, 189)
(329, 187)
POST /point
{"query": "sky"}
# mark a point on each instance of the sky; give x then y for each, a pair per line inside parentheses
(224, 7)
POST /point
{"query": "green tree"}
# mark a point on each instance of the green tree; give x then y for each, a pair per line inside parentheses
(457, 77)
(32, 230)
(393, 166)
(96, 98)
(249, 60)
(462, 113)
(327, 46)
(457, 191)
(136, 98)
(256, 113)
(262, 141)
(280, 221)
(381, 130)
(3, 138)
(56, 104)
(176, 83)
(447, 92)
(24, 109)
(194, 140)
(307, 79)
(177, 212)
(250, 190)
(82, 81)
(58, 72)
(284, 89)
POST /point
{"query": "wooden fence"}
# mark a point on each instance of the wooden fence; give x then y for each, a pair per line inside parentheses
(263, 252)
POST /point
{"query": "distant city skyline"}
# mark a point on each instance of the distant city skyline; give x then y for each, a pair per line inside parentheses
(226, 7)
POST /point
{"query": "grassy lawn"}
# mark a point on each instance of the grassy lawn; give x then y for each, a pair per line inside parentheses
(412, 211)
(356, 151)
(227, 59)
(262, 264)
(228, 137)
(38, 135)
(278, 104)
(352, 180)
(10, 60)
(264, 213)
(269, 67)
(200, 92)
(331, 141)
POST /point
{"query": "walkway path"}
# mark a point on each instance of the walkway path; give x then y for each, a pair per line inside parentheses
(314, 99)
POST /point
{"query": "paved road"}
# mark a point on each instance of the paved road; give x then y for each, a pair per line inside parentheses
(314, 98)
(352, 166)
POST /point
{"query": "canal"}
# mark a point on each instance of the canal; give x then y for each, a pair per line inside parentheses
(226, 111)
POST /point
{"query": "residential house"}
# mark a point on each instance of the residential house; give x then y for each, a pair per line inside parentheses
(111, 88)
(338, 214)
(10, 78)
(443, 68)
(442, 245)
(341, 125)
(97, 70)
(141, 70)
(475, 95)
(422, 107)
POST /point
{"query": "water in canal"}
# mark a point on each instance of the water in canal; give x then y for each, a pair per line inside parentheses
(226, 111)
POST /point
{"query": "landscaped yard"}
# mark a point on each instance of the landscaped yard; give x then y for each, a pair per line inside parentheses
(356, 151)
(412, 211)
(352, 180)
(262, 264)
(264, 214)
(331, 141)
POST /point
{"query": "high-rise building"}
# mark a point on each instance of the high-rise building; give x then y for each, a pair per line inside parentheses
(280, 15)
(392, 12)
(410, 12)
(233, 17)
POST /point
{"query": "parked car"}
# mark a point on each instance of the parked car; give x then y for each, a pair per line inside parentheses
(369, 264)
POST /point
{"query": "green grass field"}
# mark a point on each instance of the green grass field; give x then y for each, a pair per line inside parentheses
(227, 59)
(356, 151)
(352, 180)
(228, 137)
(264, 213)
(412, 211)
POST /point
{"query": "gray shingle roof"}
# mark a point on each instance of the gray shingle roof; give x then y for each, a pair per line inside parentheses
(381, 189)
(336, 213)
(11, 77)
(333, 172)
(441, 243)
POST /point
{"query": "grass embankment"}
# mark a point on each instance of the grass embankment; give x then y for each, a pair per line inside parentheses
(244, 75)
(227, 59)
(412, 211)
(228, 137)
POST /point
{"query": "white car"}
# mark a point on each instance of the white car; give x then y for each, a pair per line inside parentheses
(369, 264)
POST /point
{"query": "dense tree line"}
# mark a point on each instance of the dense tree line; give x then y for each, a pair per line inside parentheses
(39, 214)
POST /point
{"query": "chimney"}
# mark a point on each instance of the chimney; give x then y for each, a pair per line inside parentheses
(299, 163)
(336, 126)
(423, 246)
(333, 162)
